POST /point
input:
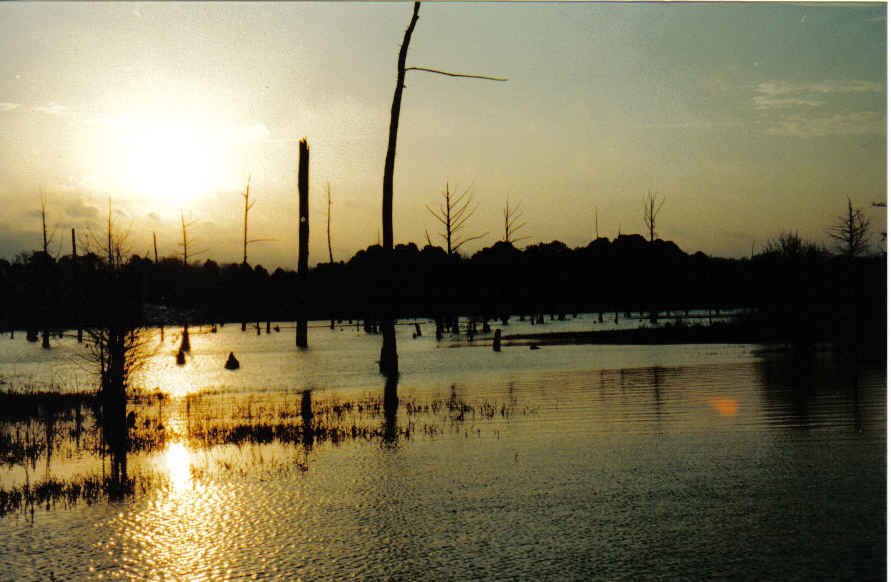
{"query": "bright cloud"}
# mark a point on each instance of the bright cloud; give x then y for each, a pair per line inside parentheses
(4, 106)
(823, 87)
(51, 108)
(857, 123)
(766, 102)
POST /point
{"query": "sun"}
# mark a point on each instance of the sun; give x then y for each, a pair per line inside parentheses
(168, 165)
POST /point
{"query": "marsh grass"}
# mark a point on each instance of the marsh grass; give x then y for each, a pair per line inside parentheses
(40, 426)
(27, 402)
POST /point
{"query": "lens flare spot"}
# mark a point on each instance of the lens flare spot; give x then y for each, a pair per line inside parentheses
(724, 406)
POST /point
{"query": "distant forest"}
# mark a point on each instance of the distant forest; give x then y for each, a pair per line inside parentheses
(801, 287)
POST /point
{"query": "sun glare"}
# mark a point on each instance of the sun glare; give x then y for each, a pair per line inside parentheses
(178, 464)
(168, 165)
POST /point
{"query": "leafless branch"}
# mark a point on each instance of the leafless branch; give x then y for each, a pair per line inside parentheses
(651, 210)
(511, 225)
(453, 214)
(448, 74)
(852, 231)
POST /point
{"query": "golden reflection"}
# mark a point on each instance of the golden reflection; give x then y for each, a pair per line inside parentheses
(724, 406)
(178, 462)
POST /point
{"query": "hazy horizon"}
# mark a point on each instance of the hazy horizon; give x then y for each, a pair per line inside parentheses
(750, 119)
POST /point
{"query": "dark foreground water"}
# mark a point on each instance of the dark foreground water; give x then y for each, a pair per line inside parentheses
(674, 462)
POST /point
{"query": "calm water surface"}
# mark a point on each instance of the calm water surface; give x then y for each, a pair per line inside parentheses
(568, 462)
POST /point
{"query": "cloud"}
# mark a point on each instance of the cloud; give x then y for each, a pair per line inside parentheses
(5, 106)
(776, 88)
(51, 108)
(78, 209)
(765, 102)
(694, 124)
(857, 123)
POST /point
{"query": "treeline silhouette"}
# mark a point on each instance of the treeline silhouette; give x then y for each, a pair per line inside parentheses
(796, 290)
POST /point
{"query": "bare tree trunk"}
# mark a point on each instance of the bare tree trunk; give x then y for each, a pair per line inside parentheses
(45, 276)
(389, 362)
(182, 219)
(390, 161)
(303, 241)
(330, 253)
(76, 267)
(155, 245)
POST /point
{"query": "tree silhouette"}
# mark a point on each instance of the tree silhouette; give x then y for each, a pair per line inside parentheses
(115, 340)
(453, 213)
(651, 210)
(46, 240)
(330, 253)
(852, 232)
(512, 216)
(247, 207)
(883, 234)
(186, 244)
(389, 359)
(303, 239)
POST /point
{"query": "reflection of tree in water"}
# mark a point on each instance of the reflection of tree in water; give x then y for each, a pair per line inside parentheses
(391, 407)
(148, 423)
(798, 385)
(116, 439)
(306, 417)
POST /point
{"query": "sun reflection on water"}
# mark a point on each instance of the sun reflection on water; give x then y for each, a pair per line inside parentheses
(178, 462)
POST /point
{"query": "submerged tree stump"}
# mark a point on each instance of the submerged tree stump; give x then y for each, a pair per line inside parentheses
(185, 345)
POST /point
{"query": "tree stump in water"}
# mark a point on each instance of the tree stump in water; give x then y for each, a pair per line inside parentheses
(232, 362)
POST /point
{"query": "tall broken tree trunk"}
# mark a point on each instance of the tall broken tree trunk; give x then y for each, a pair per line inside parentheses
(303, 241)
(389, 362)
(45, 276)
(80, 331)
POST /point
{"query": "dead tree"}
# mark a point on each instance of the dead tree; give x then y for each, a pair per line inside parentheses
(245, 241)
(76, 268)
(155, 245)
(46, 240)
(186, 242)
(389, 361)
(115, 340)
(303, 240)
(651, 210)
(185, 347)
(851, 231)
(512, 216)
(330, 253)
(247, 207)
(45, 275)
(453, 213)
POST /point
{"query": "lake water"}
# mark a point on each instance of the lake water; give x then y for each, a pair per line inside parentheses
(564, 463)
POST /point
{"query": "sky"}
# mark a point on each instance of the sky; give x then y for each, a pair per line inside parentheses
(750, 120)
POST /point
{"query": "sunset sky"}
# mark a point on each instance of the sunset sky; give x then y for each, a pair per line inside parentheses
(750, 119)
